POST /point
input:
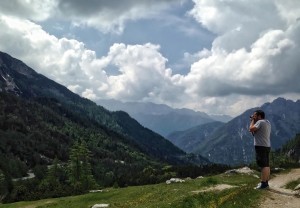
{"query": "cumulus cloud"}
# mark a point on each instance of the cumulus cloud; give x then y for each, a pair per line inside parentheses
(142, 69)
(255, 52)
(267, 68)
(143, 72)
(60, 59)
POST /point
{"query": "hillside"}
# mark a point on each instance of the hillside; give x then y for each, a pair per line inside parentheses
(292, 149)
(232, 143)
(19, 79)
(36, 132)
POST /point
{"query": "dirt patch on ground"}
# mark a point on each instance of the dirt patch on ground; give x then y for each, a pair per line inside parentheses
(34, 206)
(219, 187)
(277, 196)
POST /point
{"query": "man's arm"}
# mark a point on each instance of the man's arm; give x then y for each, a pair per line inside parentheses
(252, 127)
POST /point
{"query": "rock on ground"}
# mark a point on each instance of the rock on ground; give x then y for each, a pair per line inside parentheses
(100, 205)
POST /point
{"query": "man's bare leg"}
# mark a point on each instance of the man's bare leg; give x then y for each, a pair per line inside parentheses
(265, 174)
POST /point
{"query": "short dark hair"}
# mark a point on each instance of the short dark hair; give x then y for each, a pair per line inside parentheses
(260, 113)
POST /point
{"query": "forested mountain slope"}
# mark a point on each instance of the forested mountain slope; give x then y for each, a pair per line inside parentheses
(19, 79)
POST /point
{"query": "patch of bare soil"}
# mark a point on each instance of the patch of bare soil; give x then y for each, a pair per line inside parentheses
(278, 196)
(219, 187)
(34, 206)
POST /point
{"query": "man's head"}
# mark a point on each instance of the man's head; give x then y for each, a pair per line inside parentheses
(259, 114)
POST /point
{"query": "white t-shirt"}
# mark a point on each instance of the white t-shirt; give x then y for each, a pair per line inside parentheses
(262, 134)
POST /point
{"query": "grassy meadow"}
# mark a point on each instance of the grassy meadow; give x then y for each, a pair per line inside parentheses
(188, 194)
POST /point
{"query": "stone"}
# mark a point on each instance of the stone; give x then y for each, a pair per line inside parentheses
(95, 191)
(100, 205)
(244, 170)
(175, 180)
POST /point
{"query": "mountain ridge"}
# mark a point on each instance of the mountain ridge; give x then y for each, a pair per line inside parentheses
(162, 118)
(232, 144)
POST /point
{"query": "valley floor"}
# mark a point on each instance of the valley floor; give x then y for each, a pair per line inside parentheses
(277, 196)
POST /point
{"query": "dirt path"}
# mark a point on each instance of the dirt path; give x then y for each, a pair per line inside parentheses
(277, 196)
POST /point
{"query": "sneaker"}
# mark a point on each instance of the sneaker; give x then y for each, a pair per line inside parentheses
(262, 186)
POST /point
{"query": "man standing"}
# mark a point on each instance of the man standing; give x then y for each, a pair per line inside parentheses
(261, 130)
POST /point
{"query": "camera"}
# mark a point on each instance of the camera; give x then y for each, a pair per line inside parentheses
(251, 116)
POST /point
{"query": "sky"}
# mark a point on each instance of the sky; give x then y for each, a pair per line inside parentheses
(213, 56)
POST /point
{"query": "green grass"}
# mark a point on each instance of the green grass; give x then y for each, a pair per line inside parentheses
(293, 184)
(179, 195)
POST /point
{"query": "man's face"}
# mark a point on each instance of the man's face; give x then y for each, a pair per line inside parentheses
(256, 117)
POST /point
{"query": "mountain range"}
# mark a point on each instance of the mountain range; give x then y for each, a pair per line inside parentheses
(231, 143)
(226, 142)
(40, 119)
(162, 118)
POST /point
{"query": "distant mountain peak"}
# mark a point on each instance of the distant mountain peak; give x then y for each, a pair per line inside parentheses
(161, 118)
(279, 100)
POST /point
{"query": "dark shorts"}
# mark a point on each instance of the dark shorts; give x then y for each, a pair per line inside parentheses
(262, 156)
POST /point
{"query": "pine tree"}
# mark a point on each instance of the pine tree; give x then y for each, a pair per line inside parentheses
(80, 171)
(53, 175)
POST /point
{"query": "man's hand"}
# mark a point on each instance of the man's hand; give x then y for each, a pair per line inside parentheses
(253, 120)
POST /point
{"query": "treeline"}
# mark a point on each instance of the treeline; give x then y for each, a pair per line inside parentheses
(77, 177)
(58, 179)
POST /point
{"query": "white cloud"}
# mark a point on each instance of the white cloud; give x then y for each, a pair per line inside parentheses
(257, 71)
(255, 53)
(59, 59)
(143, 75)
